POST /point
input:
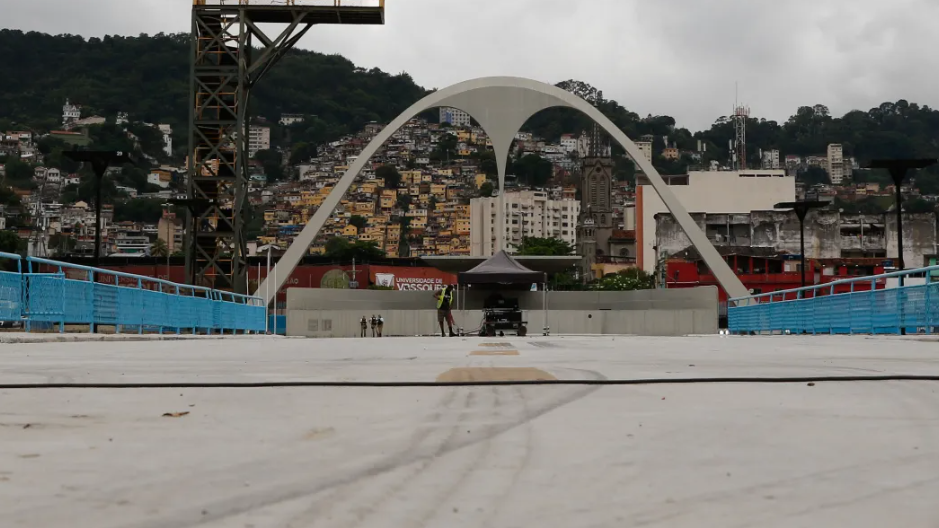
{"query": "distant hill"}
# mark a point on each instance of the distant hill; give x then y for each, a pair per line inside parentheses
(148, 77)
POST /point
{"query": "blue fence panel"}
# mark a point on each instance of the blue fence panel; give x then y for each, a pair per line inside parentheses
(11, 296)
(128, 302)
(11, 287)
(819, 310)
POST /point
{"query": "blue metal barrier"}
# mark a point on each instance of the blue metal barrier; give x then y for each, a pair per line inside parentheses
(65, 293)
(11, 290)
(821, 310)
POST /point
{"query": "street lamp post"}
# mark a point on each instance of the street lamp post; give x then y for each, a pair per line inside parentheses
(100, 160)
(898, 169)
(166, 207)
(801, 209)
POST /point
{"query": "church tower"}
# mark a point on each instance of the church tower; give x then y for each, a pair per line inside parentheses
(595, 225)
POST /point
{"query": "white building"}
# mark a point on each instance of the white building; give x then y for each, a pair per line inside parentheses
(454, 116)
(527, 213)
(70, 113)
(770, 159)
(259, 138)
(167, 132)
(568, 143)
(290, 119)
(708, 192)
(646, 148)
(160, 179)
(835, 163)
(121, 119)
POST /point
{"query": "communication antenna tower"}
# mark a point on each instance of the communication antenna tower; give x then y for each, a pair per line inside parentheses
(741, 114)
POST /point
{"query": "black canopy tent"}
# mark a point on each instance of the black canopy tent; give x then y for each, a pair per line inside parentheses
(503, 270)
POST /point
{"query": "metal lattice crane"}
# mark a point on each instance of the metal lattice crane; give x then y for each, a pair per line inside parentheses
(226, 65)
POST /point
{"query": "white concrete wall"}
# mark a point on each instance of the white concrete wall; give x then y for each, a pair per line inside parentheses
(715, 192)
(313, 312)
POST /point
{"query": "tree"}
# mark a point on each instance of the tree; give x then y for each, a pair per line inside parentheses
(358, 221)
(138, 210)
(486, 189)
(536, 246)
(61, 244)
(389, 175)
(159, 249)
(272, 162)
(8, 197)
(302, 151)
(363, 251)
(533, 170)
(918, 205)
(10, 242)
(626, 280)
(404, 201)
(18, 173)
(813, 176)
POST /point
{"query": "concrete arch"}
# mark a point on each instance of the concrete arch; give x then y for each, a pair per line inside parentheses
(502, 105)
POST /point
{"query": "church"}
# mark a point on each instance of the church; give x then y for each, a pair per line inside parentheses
(599, 236)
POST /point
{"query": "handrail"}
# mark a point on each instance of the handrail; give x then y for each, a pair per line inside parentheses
(868, 278)
(11, 255)
(208, 291)
(81, 267)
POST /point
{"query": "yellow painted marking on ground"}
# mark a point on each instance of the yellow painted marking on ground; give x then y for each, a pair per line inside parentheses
(493, 374)
(494, 353)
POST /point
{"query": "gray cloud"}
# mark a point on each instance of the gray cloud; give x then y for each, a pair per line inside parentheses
(676, 57)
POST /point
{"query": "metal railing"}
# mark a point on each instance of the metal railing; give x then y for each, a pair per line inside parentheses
(863, 309)
(48, 292)
(316, 3)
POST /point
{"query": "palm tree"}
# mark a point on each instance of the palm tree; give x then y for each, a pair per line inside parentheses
(159, 248)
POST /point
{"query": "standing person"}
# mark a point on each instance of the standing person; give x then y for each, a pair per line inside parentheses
(444, 299)
(364, 324)
(381, 324)
(374, 323)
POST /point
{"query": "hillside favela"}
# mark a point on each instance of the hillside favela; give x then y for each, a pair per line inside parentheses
(428, 263)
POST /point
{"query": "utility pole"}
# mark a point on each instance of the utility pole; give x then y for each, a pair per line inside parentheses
(100, 160)
(802, 209)
(898, 169)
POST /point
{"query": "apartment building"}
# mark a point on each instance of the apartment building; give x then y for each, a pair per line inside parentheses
(454, 117)
(527, 214)
(259, 138)
(835, 163)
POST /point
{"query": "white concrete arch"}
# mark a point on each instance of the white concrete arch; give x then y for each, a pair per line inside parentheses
(502, 105)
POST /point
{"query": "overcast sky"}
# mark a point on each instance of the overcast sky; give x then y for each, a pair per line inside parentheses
(675, 57)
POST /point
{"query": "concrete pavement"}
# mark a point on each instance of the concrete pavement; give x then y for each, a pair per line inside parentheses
(833, 454)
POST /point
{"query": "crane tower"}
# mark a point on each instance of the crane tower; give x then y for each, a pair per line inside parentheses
(231, 51)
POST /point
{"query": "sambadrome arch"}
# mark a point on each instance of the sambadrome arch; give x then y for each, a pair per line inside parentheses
(501, 105)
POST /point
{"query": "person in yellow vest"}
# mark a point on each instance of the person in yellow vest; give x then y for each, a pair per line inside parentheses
(444, 299)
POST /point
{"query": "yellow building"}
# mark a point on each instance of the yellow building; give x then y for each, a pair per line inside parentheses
(350, 230)
(409, 177)
(462, 226)
(365, 208)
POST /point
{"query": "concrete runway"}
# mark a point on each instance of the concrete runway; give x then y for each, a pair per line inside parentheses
(860, 454)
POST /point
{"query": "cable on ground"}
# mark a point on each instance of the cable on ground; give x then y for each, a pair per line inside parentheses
(482, 383)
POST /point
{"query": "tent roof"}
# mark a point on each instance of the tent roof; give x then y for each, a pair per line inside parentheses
(501, 268)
